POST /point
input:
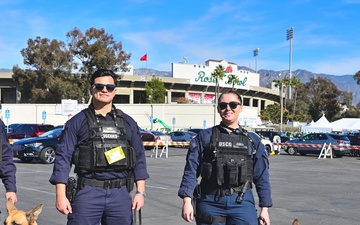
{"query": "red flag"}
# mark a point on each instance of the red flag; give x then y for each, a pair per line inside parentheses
(143, 58)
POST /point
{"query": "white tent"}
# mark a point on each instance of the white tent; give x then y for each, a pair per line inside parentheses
(322, 125)
(346, 125)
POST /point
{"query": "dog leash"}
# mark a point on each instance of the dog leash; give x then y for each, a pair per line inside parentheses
(135, 217)
(262, 219)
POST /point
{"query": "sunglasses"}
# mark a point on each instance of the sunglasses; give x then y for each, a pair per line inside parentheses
(100, 87)
(233, 105)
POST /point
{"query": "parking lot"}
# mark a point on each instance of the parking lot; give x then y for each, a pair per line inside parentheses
(316, 191)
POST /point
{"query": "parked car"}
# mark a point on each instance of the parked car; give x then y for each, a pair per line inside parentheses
(160, 136)
(42, 147)
(313, 143)
(147, 136)
(28, 130)
(354, 138)
(195, 130)
(185, 136)
(11, 127)
(270, 135)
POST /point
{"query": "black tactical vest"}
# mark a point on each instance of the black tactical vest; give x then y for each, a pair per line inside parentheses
(229, 164)
(107, 148)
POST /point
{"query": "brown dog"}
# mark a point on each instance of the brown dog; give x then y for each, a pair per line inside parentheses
(296, 222)
(20, 217)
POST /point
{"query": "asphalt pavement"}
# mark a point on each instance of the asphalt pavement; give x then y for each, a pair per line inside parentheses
(316, 191)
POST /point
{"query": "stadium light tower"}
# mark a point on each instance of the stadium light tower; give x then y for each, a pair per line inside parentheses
(256, 53)
(289, 37)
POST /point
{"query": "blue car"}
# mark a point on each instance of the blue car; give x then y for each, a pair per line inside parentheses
(313, 143)
(182, 136)
(41, 148)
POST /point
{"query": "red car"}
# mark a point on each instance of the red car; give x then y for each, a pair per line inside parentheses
(28, 130)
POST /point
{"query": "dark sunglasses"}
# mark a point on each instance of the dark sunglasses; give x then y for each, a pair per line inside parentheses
(100, 87)
(233, 105)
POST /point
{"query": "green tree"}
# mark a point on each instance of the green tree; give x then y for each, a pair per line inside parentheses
(155, 90)
(324, 98)
(55, 72)
(218, 74)
(294, 83)
(233, 79)
(357, 77)
(97, 49)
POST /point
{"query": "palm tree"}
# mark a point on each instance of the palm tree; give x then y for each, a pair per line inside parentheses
(286, 83)
(218, 74)
(295, 83)
(233, 79)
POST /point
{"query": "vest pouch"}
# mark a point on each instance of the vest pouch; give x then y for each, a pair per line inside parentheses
(220, 172)
(100, 158)
(82, 157)
(206, 170)
(232, 172)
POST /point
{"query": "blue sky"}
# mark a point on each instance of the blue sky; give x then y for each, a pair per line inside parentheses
(326, 33)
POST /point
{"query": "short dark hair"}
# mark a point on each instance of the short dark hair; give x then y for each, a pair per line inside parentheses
(231, 92)
(102, 73)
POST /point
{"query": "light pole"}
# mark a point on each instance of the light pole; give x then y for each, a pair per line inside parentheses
(289, 37)
(256, 52)
(281, 102)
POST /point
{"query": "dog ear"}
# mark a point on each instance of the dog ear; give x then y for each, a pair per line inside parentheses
(10, 205)
(33, 214)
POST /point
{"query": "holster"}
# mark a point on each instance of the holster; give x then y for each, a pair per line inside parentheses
(71, 189)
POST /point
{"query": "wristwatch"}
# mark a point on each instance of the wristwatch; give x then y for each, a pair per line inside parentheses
(141, 193)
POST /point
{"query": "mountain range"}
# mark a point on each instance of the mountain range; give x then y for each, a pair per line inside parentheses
(343, 82)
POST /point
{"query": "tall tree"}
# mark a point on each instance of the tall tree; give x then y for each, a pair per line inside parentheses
(218, 74)
(233, 79)
(295, 83)
(97, 49)
(324, 98)
(56, 72)
(155, 90)
(357, 77)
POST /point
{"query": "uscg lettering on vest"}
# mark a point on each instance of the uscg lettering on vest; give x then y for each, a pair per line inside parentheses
(225, 144)
(110, 136)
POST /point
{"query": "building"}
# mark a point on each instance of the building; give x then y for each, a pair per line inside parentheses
(192, 81)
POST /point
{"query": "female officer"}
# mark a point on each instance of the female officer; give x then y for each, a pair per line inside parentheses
(229, 160)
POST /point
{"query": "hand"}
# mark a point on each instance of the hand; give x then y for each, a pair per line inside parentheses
(63, 205)
(11, 195)
(138, 201)
(187, 210)
(264, 213)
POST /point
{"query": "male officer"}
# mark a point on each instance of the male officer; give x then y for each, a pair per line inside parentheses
(7, 168)
(229, 160)
(105, 146)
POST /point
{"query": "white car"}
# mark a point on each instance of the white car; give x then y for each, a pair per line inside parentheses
(269, 146)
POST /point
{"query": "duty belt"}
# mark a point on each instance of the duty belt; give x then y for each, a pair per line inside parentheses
(106, 184)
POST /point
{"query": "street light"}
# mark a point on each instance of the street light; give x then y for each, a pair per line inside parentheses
(281, 103)
(256, 52)
(289, 37)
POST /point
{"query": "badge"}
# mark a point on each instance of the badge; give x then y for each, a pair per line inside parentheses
(114, 155)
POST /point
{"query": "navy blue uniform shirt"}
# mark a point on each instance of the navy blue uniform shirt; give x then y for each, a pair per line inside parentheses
(7, 168)
(195, 154)
(76, 131)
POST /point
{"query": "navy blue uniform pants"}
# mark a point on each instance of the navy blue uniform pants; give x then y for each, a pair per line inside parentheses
(226, 206)
(95, 205)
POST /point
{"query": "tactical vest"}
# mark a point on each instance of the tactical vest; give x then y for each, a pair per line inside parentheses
(229, 164)
(107, 149)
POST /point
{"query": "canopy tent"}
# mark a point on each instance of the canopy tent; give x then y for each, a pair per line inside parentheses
(346, 125)
(322, 125)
